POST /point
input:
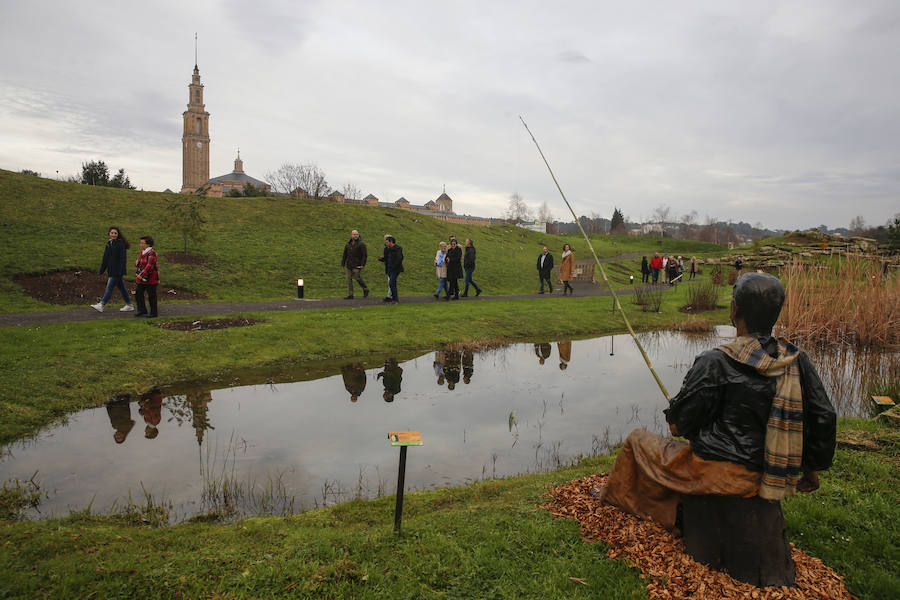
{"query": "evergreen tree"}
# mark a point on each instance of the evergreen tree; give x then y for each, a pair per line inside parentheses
(618, 221)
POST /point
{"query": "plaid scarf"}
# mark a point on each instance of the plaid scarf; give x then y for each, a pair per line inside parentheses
(784, 429)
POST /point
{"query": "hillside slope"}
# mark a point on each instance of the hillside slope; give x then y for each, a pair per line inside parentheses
(256, 248)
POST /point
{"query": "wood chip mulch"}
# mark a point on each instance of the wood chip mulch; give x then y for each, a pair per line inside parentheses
(673, 574)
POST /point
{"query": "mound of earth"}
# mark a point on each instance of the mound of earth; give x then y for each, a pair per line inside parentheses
(181, 258)
(201, 324)
(86, 287)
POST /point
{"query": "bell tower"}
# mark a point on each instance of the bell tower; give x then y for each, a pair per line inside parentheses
(195, 140)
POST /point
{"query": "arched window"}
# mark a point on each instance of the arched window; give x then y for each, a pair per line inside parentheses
(198, 125)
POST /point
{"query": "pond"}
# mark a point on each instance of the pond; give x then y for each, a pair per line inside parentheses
(287, 447)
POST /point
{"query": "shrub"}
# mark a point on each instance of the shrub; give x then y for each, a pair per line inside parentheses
(648, 298)
(704, 296)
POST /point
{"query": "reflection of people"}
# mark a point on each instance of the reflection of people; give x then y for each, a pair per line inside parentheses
(353, 262)
(542, 351)
(115, 262)
(565, 354)
(119, 412)
(469, 266)
(452, 368)
(393, 377)
(354, 380)
(151, 409)
(468, 363)
(439, 357)
(545, 267)
(393, 266)
(454, 268)
(147, 278)
(567, 268)
(755, 414)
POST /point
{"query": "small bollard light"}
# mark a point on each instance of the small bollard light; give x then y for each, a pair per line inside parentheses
(631, 279)
(300, 289)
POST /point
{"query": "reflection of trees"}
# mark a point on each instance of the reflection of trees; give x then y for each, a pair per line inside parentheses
(193, 408)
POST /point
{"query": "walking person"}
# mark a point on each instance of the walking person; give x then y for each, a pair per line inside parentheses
(454, 268)
(545, 267)
(645, 270)
(567, 268)
(353, 262)
(114, 262)
(393, 266)
(655, 265)
(147, 278)
(469, 267)
(440, 266)
(693, 266)
(665, 268)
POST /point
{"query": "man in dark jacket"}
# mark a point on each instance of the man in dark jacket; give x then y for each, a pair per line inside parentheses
(354, 380)
(469, 267)
(353, 262)
(393, 266)
(755, 414)
(545, 268)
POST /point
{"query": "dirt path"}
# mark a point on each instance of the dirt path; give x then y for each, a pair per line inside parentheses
(191, 309)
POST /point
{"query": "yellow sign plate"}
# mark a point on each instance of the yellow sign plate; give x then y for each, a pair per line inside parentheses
(883, 400)
(405, 438)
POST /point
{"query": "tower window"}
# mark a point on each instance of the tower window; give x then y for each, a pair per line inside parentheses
(197, 96)
(198, 125)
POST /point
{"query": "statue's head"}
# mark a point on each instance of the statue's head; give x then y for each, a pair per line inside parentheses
(757, 299)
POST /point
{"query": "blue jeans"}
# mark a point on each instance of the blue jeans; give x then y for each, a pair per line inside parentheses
(442, 285)
(392, 285)
(545, 277)
(469, 281)
(112, 284)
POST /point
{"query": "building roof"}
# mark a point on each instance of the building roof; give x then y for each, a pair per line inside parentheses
(444, 196)
(239, 178)
(370, 197)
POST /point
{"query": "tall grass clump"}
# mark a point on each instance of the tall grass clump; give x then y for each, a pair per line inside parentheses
(702, 297)
(649, 298)
(847, 300)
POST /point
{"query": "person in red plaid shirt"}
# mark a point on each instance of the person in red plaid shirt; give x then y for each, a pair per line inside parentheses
(147, 278)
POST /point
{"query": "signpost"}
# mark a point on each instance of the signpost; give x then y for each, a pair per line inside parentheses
(403, 439)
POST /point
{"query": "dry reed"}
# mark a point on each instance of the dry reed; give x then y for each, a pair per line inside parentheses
(846, 301)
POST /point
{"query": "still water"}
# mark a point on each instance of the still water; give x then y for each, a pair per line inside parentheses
(499, 412)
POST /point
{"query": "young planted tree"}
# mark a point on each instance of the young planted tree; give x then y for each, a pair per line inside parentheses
(185, 214)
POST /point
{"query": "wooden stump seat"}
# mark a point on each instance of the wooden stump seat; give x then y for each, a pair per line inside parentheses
(742, 536)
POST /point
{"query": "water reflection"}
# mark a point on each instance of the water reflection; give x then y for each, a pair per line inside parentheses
(511, 419)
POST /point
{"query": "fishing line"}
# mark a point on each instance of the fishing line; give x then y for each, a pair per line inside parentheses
(602, 270)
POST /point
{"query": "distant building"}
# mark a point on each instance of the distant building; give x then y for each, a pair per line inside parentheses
(222, 185)
(538, 226)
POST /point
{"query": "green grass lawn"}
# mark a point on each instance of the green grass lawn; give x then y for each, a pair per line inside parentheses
(258, 247)
(490, 539)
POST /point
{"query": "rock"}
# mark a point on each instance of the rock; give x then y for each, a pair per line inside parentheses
(891, 417)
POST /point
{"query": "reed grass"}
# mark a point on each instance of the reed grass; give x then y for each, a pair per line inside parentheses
(703, 296)
(844, 301)
(649, 298)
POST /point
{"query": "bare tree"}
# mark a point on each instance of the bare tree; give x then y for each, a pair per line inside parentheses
(857, 225)
(307, 177)
(544, 214)
(517, 210)
(351, 192)
(661, 213)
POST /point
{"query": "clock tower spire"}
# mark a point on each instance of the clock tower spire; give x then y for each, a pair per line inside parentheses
(195, 140)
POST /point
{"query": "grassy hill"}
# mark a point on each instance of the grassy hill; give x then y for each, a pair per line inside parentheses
(257, 247)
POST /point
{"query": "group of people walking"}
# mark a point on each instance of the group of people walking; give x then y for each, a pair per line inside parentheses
(115, 261)
(449, 263)
(672, 268)
(566, 269)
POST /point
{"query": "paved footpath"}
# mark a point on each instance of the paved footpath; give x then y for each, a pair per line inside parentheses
(205, 309)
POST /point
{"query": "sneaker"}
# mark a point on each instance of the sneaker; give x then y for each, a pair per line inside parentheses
(127, 308)
(348, 297)
(98, 307)
(366, 293)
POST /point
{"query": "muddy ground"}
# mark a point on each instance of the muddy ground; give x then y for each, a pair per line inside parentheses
(86, 287)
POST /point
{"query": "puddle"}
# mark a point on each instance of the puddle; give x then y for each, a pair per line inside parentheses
(286, 447)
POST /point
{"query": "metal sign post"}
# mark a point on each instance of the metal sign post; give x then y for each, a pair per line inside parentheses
(403, 439)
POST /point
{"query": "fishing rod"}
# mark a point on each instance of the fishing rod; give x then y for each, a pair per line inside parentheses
(618, 305)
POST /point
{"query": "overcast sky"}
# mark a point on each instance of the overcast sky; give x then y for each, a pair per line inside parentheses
(780, 113)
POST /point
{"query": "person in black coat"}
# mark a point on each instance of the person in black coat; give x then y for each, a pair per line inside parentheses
(393, 266)
(469, 267)
(454, 268)
(645, 270)
(353, 262)
(545, 268)
(114, 261)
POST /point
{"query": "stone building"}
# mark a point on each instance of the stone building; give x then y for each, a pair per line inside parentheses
(195, 139)
(222, 185)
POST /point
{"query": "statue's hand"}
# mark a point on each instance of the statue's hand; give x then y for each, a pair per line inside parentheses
(809, 482)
